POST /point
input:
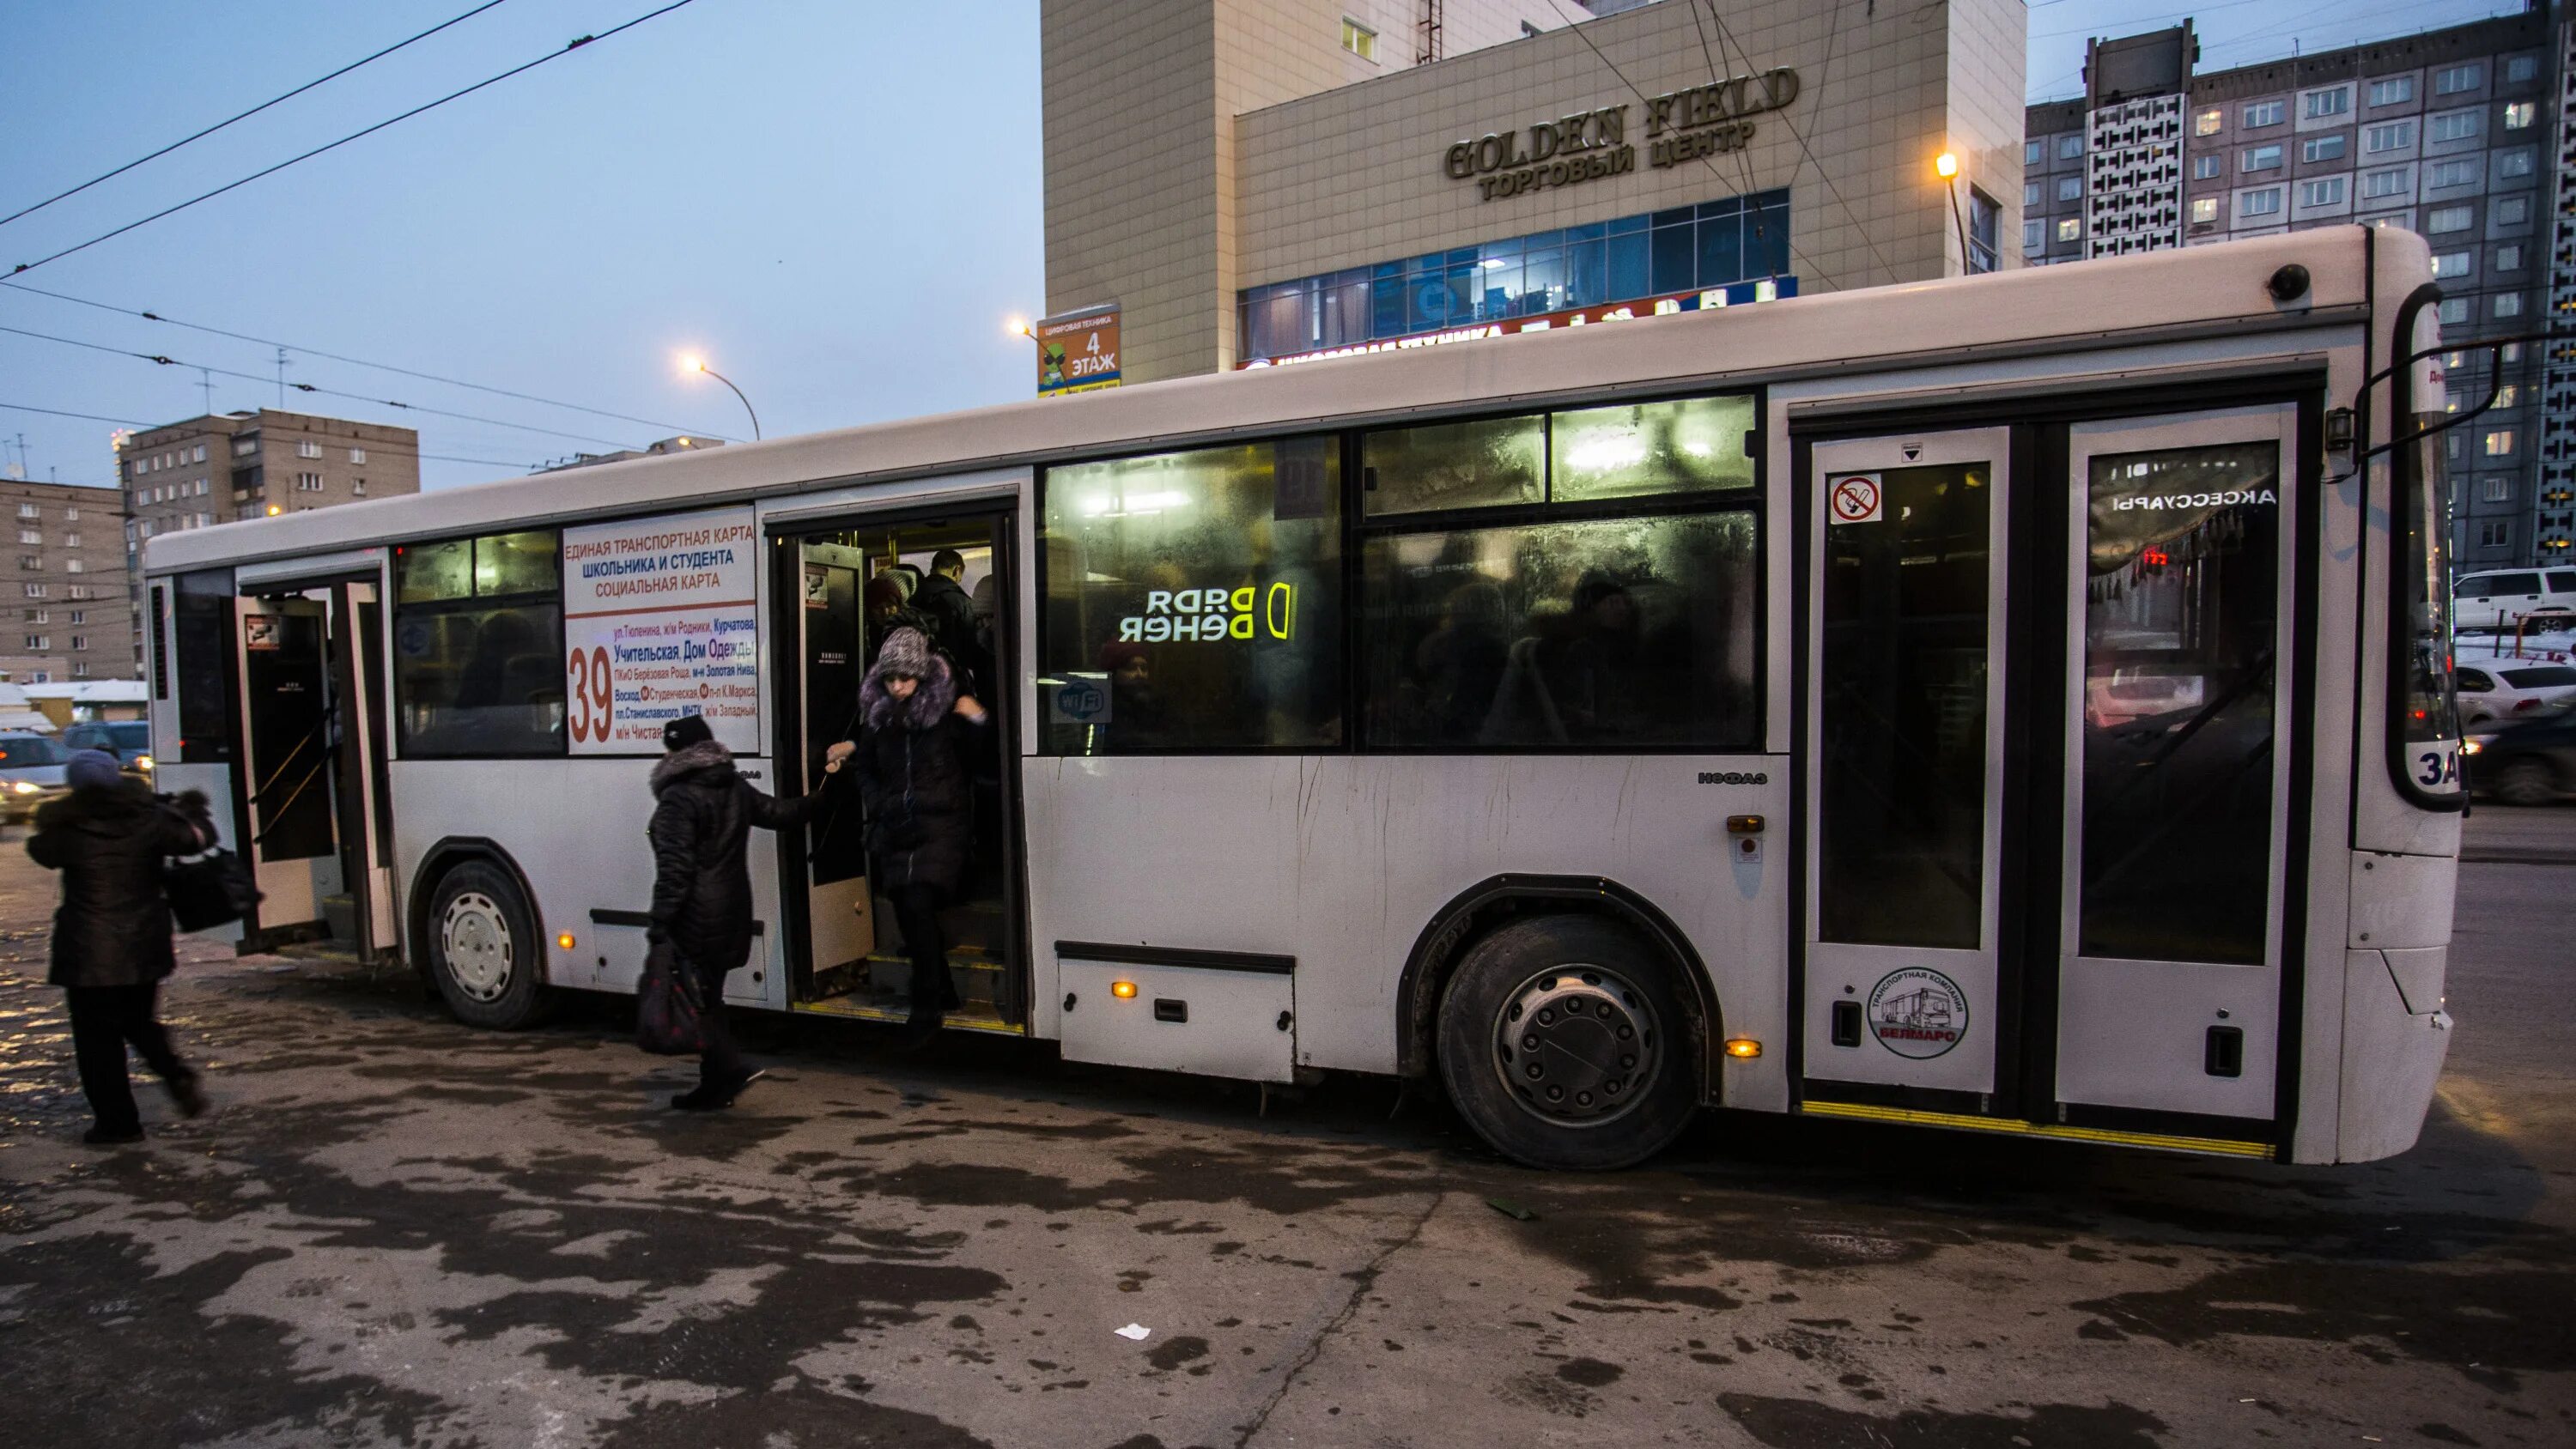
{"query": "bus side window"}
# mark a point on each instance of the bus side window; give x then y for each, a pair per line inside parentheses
(1591, 625)
(202, 643)
(478, 647)
(1193, 601)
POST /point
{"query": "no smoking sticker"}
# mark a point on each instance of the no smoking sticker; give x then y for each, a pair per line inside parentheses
(1854, 497)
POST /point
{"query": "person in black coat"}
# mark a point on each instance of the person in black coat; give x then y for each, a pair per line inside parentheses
(942, 599)
(703, 812)
(109, 837)
(919, 800)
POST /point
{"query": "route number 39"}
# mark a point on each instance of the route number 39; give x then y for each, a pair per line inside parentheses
(593, 696)
(2437, 768)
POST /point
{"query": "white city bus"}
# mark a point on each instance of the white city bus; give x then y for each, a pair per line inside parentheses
(2016, 703)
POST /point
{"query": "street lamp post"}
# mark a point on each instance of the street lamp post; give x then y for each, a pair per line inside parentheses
(1946, 165)
(699, 364)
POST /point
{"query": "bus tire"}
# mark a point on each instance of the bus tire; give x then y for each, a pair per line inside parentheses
(484, 953)
(1562, 1042)
(2526, 782)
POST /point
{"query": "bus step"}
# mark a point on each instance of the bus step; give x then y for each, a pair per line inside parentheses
(957, 961)
(862, 1009)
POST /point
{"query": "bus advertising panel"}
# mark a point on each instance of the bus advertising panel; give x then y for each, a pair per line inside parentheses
(661, 621)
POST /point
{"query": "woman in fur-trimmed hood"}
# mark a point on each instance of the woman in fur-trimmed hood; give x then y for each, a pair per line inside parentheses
(920, 801)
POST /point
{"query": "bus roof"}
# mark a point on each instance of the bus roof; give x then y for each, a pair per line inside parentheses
(2113, 301)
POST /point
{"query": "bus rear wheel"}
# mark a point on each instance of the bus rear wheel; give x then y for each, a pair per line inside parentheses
(483, 948)
(1561, 1043)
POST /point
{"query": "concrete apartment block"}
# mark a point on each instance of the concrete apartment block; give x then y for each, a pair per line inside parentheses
(227, 467)
(2460, 134)
(64, 583)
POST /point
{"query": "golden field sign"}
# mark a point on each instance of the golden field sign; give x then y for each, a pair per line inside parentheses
(1681, 126)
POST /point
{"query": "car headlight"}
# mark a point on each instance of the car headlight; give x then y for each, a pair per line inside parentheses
(25, 787)
(2471, 747)
(143, 762)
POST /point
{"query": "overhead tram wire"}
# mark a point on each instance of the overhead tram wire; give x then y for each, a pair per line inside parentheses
(1743, 161)
(1726, 40)
(138, 423)
(246, 115)
(1704, 161)
(163, 361)
(569, 47)
(363, 362)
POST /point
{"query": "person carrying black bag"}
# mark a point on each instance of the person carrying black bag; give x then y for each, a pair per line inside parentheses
(702, 817)
(110, 838)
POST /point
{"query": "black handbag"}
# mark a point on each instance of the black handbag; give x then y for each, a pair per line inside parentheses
(670, 1012)
(209, 890)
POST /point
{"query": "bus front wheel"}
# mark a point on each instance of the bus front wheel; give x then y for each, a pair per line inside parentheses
(1561, 1043)
(483, 948)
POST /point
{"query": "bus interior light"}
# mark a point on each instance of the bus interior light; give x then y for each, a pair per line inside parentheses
(1123, 990)
(1743, 1048)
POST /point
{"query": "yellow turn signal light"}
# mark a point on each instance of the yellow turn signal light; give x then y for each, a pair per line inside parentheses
(1123, 990)
(1743, 1048)
(564, 940)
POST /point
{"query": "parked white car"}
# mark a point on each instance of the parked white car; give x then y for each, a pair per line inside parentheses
(2496, 598)
(2506, 690)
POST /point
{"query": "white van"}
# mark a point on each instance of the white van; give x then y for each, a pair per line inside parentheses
(2495, 598)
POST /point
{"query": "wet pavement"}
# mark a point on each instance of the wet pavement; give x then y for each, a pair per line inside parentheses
(394, 1230)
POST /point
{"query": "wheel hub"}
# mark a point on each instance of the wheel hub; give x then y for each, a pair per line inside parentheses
(474, 940)
(1576, 1043)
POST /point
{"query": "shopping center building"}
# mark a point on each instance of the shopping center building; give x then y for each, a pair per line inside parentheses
(1257, 182)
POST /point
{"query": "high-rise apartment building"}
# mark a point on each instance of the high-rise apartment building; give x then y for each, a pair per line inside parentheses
(2459, 134)
(65, 582)
(228, 467)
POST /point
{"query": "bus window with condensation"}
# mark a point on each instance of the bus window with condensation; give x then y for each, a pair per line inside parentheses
(1193, 601)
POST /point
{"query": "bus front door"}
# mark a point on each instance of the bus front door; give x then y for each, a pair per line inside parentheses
(2047, 807)
(2176, 629)
(1905, 768)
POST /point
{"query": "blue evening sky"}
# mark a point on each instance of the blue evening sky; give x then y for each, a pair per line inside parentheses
(837, 201)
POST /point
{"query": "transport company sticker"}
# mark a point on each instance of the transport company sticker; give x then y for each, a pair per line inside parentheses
(1917, 1013)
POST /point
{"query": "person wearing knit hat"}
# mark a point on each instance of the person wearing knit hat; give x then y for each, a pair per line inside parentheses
(703, 811)
(92, 770)
(110, 838)
(919, 802)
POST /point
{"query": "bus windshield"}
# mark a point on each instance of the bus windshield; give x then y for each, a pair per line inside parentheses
(2431, 713)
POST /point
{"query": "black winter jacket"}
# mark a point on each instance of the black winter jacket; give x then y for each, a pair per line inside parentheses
(913, 782)
(113, 927)
(951, 614)
(702, 817)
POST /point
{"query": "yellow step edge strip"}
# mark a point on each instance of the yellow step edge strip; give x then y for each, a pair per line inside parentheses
(831, 1006)
(2215, 1146)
